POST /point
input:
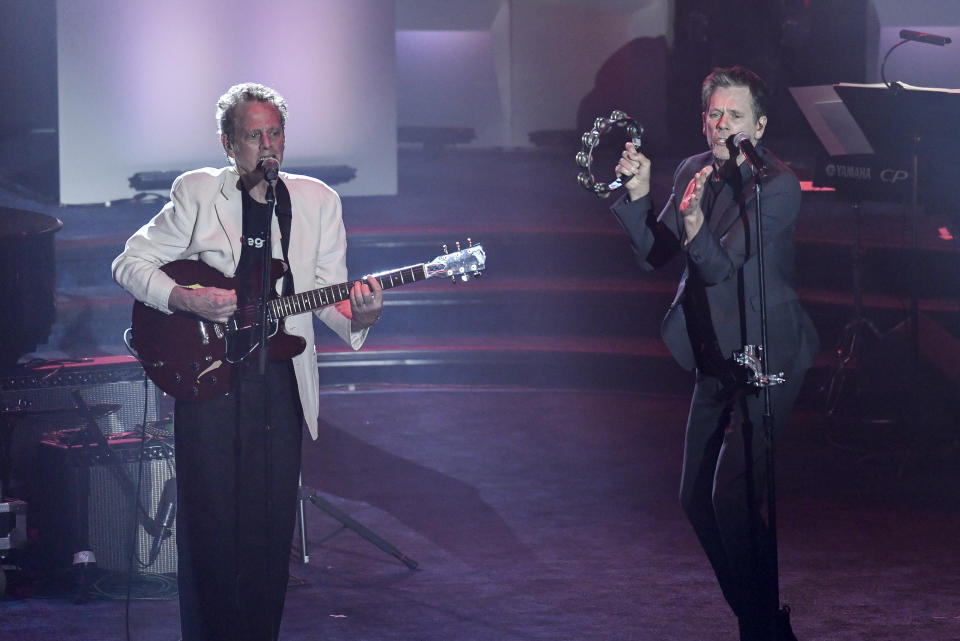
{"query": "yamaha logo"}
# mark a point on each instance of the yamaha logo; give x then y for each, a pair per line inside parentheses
(853, 172)
(858, 172)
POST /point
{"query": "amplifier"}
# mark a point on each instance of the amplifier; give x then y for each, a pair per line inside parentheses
(37, 401)
(39, 393)
(104, 520)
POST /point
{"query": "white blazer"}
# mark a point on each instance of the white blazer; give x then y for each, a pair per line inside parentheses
(204, 220)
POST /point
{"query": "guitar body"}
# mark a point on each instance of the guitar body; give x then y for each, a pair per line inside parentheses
(191, 358)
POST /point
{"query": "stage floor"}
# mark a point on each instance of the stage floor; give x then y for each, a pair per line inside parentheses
(552, 514)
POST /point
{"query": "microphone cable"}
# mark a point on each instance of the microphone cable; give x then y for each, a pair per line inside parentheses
(136, 508)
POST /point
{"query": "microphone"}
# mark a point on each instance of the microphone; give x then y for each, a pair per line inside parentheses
(166, 512)
(270, 168)
(742, 142)
(929, 38)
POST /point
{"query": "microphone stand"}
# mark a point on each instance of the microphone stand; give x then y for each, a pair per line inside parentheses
(265, 280)
(755, 359)
(768, 417)
(264, 318)
(762, 379)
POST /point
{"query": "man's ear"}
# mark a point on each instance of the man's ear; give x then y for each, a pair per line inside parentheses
(227, 145)
(761, 126)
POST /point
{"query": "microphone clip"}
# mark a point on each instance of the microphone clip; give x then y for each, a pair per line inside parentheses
(740, 143)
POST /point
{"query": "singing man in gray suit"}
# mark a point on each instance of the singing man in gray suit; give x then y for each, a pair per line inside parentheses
(710, 220)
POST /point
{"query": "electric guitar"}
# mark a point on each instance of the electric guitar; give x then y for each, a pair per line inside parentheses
(191, 358)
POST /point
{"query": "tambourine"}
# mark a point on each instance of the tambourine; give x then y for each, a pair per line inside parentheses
(591, 139)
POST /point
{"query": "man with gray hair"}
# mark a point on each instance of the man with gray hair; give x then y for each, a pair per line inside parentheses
(238, 454)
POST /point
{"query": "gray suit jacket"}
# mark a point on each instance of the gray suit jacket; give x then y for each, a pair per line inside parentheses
(722, 260)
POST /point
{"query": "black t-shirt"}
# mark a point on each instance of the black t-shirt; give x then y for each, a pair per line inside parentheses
(253, 241)
(696, 309)
(254, 250)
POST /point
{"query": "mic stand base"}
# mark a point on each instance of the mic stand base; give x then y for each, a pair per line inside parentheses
(346, 522)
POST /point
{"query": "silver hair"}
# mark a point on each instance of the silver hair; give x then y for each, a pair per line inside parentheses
(245, 92)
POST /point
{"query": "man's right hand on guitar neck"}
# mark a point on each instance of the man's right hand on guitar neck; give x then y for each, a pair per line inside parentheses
(211, 303)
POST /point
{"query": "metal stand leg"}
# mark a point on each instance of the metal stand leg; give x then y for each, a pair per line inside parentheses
(346, 522)
(850, 346)
(302, 522)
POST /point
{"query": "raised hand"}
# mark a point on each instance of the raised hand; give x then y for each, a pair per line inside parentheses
(690, 210)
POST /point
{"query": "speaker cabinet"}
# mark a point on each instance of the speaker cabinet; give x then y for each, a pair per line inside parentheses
(41, 400)
(89, 502)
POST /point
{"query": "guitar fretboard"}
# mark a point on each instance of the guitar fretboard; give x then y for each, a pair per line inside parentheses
(317, 298)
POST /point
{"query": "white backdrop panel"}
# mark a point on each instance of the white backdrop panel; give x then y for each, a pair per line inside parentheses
(138, 84)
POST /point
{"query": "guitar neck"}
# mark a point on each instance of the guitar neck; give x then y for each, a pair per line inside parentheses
(332, 294)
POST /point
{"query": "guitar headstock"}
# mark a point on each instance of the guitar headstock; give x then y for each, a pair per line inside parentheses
(462, 264)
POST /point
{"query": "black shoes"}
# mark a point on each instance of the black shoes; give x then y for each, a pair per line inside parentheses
(754, 630)
(784, 630)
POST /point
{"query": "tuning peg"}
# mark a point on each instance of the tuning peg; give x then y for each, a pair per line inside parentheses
(445, 252)
(458, 245)
(469, 243)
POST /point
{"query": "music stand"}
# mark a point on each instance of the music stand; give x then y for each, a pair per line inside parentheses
(897, 121)
(841, 136)
(915, 122)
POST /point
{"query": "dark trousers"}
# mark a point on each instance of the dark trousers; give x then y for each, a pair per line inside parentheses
(723, 493)
(237, 491)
